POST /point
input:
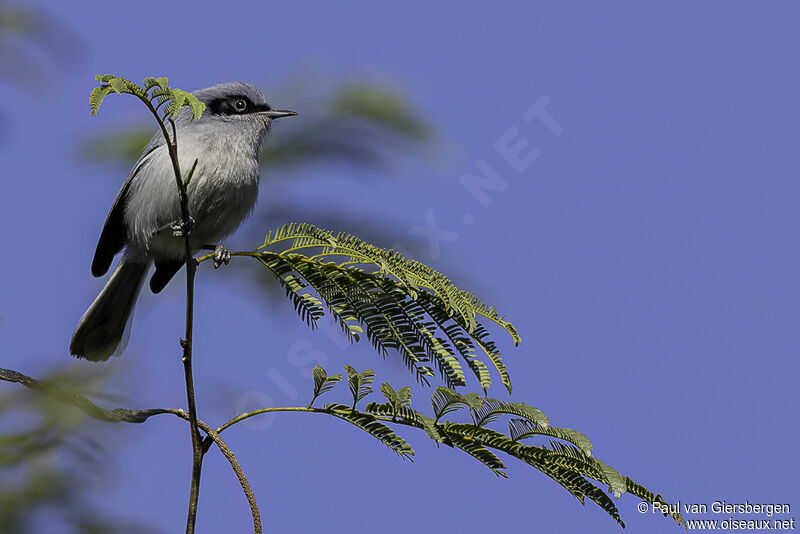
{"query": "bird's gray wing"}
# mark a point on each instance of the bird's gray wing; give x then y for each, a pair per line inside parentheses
(114, 235)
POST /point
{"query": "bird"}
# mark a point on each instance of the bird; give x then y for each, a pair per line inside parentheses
(145, 218)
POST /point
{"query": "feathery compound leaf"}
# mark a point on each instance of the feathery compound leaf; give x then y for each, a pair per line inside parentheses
(360, 383)
(124, 86)
(493, 408)
(616, 482)
(474, 401)
(434, 431)
(308, 307)
(646, 495)
(408, 305)
(580, 488)
(354, 298)
(195, 105)
(440, 352)
(149, 83)
(397, 399)
(96, 97)
(405, 414)
(479, 452)
(178, 99)
(322, 382)
(520, 429)
(457, 337)
(446, 400)
(369, 424)
(161, 94)
(108, 84)
(565, 464)
(117, 85)
(481, 337)
(574, 459)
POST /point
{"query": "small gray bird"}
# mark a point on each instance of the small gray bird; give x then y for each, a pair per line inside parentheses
(226, 142)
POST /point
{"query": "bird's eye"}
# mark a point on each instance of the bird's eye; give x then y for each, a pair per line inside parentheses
(240, 104)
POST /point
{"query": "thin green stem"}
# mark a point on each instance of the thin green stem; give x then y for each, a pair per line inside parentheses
(305, 409)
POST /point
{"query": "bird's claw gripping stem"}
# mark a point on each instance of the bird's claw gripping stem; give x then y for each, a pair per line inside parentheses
(221, 255)
(182, 228)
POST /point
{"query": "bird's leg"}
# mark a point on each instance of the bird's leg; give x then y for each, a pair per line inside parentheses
(182, 228)
(177, 227)
(221, 254)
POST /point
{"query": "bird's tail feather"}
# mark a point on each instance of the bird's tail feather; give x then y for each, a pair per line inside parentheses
(101, 328)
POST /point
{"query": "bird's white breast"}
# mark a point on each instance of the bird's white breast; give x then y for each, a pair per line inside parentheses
(222, 192)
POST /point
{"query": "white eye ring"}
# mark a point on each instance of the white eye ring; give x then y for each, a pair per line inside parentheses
(239, 104)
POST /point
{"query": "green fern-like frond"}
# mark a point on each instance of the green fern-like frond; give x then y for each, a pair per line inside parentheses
(493, 408)
(446, 400)
(443, 356)
(480, 453)
(565, 464)
(195, 106)
(155, 93)
(459, 339)
(322, 382)
(410, 308)
(308, 307)
(124, 86)
(360, 383)
(178, 100)
(616, 482)
(481, 337)
(412, 274)
(401, 304)
(96, 97)
(372, 426)
(647, 495)
(588, 466)
(398, 399)
(434, 431)
(181, 99)
(581, 488)
(520, 429)
(150, 83)
(161, 95)
(404, 414)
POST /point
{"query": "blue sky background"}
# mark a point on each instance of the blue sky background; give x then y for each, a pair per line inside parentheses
(648, 256)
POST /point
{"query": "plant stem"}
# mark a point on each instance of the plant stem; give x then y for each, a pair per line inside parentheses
(186, 342)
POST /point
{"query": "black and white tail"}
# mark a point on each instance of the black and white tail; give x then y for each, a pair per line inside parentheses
(101, 328)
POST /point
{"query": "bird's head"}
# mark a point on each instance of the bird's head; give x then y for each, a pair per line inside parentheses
(234, 110)
(238, 102)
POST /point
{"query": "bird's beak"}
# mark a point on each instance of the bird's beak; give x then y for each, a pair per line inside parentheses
(277, 113)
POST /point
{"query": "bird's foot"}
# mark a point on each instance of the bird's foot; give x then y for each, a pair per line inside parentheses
(182, 228)
(221, 255)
